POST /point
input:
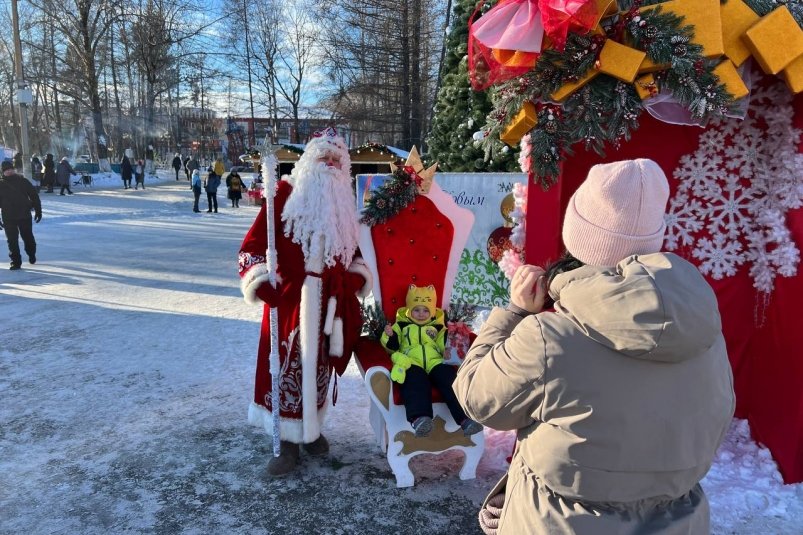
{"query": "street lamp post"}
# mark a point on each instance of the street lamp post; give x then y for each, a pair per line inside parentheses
(24, 96)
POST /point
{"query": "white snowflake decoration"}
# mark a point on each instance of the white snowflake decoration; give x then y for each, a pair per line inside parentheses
(737, 187)
(682, 221)
(719, 258)
(730, 212)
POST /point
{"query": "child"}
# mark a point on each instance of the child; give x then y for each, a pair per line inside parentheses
(196, 188)
(417, 342)
(139, 174)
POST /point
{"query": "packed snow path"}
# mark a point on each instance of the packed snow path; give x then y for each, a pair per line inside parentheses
(126, 362)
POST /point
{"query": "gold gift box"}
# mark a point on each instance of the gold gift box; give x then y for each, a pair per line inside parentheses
(606, 8)
(775, 40)
(793, 75)
(523, 122)
(620, 61)
(704, 15)
(645, 86)
(615, 59)
(514, 58)
(729, 77)
(737, 18)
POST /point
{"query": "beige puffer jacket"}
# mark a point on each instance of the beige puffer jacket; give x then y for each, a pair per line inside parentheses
(620, 399)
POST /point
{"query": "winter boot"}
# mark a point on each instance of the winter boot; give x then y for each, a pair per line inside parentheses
(320, 446)
(422, 426)
(287, 460)
(470, 427)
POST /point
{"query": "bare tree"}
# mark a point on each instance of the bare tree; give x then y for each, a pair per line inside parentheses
(83, 24)
(296, 53)
(381, 57)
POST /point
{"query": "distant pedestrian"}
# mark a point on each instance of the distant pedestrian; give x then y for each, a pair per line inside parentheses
(49, 173)
(196, 189)
(219, 168)
(212, 184)
(235, 188)
(150, 166)
(186, 162)
(139, 174)
(126, 171)
(17, 198)
(18, 162)
(194, 165)
(63, 174)
(177, 164)
(36, 171)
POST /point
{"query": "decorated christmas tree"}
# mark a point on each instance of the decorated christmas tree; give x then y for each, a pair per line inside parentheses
(460, 112)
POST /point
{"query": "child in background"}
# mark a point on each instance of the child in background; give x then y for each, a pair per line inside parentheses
(139, 174)
(417, 342)
(196, 188)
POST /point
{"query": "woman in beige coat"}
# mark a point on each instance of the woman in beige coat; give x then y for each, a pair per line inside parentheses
(622, 394)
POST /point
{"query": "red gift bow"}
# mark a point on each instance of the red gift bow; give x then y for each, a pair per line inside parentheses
(561, 16)
(410, 170)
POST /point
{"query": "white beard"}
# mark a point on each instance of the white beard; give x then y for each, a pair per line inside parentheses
(321, 213)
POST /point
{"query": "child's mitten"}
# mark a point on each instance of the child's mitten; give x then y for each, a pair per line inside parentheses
(401, 363)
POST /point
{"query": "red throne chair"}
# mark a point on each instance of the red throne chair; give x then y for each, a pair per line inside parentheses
(420, 245)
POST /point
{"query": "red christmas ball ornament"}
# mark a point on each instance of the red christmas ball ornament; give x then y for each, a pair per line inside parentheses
(499, 242)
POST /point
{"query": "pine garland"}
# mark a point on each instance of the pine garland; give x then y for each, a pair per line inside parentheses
(690, 77)
(461, 312)
(373, 146)
(606, 110)
(293, 148)
(374, 320)
(763, 7)
(392, 196)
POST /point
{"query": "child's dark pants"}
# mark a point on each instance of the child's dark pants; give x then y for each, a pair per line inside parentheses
(417, 391)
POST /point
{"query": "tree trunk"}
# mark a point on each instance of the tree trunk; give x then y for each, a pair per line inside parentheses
(404, 82)
(415, 74)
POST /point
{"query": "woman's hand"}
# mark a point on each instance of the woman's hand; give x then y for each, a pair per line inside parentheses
(528, 288)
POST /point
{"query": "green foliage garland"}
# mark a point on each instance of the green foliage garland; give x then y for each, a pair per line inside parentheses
(605, 110)
(374, 320)
(763, 7)
(392, 196)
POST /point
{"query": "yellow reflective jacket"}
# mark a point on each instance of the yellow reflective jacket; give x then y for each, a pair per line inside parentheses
(423, 344)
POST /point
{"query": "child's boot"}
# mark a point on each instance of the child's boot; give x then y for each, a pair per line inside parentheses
(470, 427)
(422, 426)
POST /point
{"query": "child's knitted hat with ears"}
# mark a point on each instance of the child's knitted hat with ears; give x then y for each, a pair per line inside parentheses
(424, 296)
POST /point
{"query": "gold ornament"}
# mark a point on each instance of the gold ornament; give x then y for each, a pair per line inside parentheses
(506, 207)
(414, 161)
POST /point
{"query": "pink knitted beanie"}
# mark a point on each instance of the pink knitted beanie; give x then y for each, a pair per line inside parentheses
(617, 212)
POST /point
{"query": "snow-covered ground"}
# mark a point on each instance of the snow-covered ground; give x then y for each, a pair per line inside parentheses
(126, 362)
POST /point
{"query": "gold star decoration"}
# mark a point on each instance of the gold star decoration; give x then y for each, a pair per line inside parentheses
(427, 175)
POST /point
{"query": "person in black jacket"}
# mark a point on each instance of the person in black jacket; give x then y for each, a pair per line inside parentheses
(49, 173)
(17, 198)
(126, 171)
(177, 164)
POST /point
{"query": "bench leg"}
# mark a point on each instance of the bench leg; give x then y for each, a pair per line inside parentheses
(401, 469)
(472, 459)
